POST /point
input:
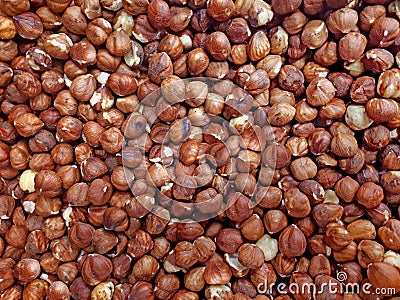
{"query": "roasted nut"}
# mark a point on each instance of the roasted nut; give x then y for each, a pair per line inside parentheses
(383, 32)
(383, 275)
(292, 241)
(258, 46)
(96, 268)
(315, 34)
(342, 20)
(320, 91)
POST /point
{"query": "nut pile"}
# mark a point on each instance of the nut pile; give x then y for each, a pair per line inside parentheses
(199, 149)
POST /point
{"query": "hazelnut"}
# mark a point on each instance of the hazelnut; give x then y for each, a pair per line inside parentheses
(303, 168)
(320, 91)
(250, 256)
(83, 53)
(383, 275)
(159, 14)
(362, 230)
(217, 272)
(352, 46)
(118, 43)
(98, 30)
(387, 84)
(160, 67)
(220, 10)
(292, 241)
(342, 20)
(96, 268)
(378, 60)
(383, 32)
(290, 78)
(218, 45)
(281, 114)
(26, 270)
(83, 87)
(315, 34)
(369, 15)
(258, 46)
(172, 45)
(198, 61)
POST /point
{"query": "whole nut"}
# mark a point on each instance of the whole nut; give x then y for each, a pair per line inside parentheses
(98, 30)
(258, 46)
(320, 91)
(342, 20)
(197, 61)
(250, 256)
(83, 87)
(218, 45)
(159, 14)
(352, 46)
(292, 241)
(74, 20)
(160, 67)
(217, 272)
(315, 34)
(220, 10)
(383, 32)
(383, 275)
(27, 270)
(96, 268)
(118, 43)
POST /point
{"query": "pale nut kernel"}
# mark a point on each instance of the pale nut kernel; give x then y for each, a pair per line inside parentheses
(269, 246)
(357, 118)
(27, 181)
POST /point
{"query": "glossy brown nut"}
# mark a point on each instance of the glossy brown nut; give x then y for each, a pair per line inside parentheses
(292, 241)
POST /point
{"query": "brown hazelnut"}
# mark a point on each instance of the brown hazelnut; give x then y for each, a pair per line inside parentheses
(159, 14)
(220, 10)
(383, 275)
(383, 32)
(118, 43)
(74, 20)
(378, 60)
(83, 87)
(292, 241)
(281, 114)
(320, 91)
(303, 168)
(352, 46)
(342, 20)
(217, 272)
(315, 34)
(28, 25)
(258, 46)
(98, 30)
(27, 270)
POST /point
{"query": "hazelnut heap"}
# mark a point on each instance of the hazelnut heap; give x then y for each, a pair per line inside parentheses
(193, 149)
